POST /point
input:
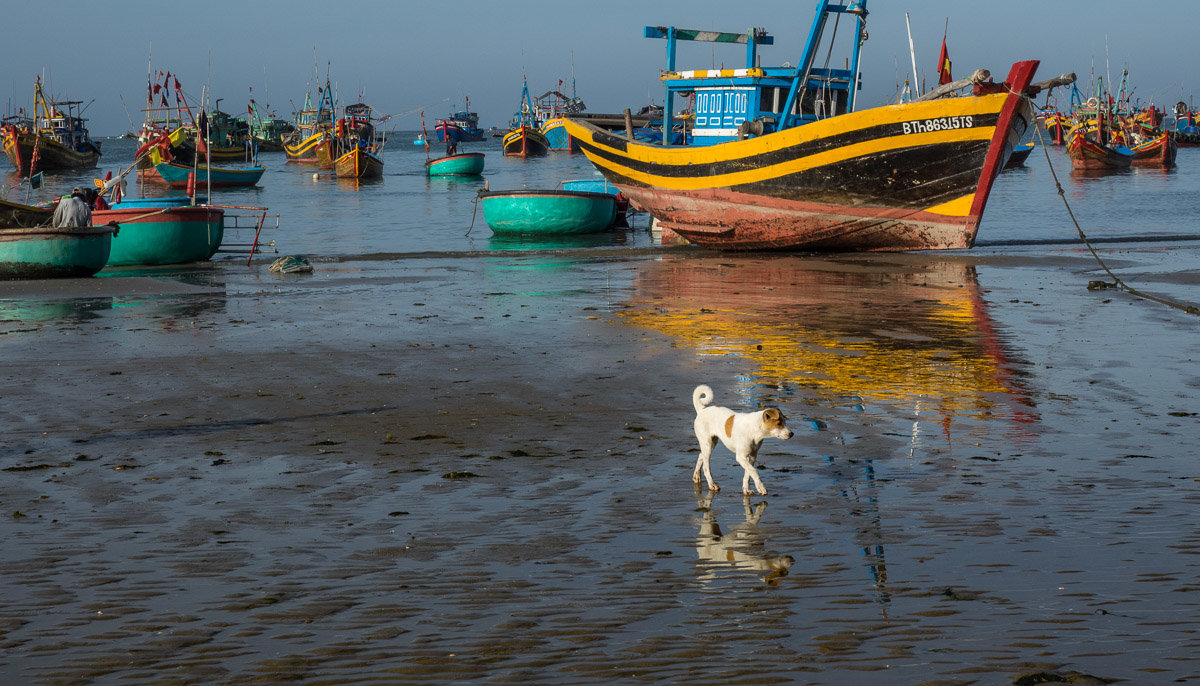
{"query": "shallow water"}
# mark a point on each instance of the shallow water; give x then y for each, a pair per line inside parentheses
(441, 458)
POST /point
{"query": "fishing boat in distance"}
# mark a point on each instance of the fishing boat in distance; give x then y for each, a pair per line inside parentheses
(780, 158)
(350, 148)
(202, 176)
(312, 123)
(547, 212)
(459, 127)
(523, 138)
(267, 132)
(54, 138)
(1091, 146)
(551, 109)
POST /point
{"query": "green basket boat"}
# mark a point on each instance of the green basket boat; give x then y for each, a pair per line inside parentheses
(53, 252)
(162, 231)
(466, 164)
(547, 212)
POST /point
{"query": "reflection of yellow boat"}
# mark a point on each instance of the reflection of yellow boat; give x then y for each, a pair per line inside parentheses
(888, 329)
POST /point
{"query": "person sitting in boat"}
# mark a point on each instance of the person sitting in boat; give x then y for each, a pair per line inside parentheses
(451, 147)
(72, 210)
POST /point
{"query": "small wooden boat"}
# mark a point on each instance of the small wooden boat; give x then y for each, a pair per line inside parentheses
(14, 214)
(358, 163)
(53, 252)
(547, 212)
(525, 141)
(1158, 151)
(1019, 154)
(465, 164)
(156, 231)
(53, 139)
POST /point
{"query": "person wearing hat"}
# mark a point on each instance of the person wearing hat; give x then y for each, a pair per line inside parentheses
(73, 210)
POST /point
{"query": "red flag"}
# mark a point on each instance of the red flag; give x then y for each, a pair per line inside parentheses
(944, 65)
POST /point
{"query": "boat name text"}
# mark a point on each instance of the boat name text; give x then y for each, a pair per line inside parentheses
(939, 124)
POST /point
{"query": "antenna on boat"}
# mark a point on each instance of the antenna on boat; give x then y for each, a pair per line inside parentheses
(913, 54)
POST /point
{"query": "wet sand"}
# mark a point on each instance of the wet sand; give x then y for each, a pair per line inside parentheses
(432, 468)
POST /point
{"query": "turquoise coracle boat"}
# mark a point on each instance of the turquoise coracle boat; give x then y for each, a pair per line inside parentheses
(48, 252)
(466, 164)
(553, 212)
(155, 231)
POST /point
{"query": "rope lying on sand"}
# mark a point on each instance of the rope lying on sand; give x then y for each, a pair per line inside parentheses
(1190, 309)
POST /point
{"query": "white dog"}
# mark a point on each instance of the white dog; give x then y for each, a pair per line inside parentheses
(741, 432)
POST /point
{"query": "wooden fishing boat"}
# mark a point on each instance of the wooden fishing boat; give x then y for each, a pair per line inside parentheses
(53, 139)
(267, 133)
(547, 212)
(156, 231)
(176, 175)
(465, 164)
(525, 141)
(53, 252)
(358, 163)
(778, 161)
(1158, 151)
(312, 123)
(14, 214)
(1057, 126)
(1090, 146)
(350, 148)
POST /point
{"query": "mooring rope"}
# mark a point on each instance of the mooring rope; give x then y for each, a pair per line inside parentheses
(1190, 309)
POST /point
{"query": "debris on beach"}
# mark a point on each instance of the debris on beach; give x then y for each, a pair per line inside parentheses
(291, 264)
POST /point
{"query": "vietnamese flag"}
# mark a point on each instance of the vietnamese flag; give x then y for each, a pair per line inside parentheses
(944, 65)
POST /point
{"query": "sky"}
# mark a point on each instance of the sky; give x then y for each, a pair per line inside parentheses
(406, 57)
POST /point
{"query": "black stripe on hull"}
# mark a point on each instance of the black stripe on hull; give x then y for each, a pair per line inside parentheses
(767, 159)
(936, 174)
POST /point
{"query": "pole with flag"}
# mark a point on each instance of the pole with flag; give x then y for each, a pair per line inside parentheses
(944, 59)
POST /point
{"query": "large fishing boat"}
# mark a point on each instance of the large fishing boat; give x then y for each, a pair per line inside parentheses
(781, 158)
(53, 139)
(351, 149)
(523, 138)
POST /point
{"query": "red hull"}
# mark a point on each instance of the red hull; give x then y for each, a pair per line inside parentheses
(1088, 154)
(1159, 152)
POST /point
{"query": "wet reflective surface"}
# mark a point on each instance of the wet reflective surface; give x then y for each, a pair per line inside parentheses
(474, 463)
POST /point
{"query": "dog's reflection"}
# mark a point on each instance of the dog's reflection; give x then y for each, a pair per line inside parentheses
(743, 548)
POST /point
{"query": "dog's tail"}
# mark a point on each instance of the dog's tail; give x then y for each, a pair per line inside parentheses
(701, 397)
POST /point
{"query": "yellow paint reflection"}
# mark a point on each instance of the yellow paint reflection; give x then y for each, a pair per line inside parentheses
(909, 329)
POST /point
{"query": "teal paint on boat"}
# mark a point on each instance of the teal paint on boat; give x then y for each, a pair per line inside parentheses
(156, 203)
(547, 212)
(591, 186)
(176, 175)
(171, 234)
(49, 252)
(466, 164)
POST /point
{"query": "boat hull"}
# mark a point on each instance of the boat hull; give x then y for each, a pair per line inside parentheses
(14, 214)
(1089, 155)
(358, 163)
(525, 142)
(467, 164)
(52, 155)
(1159, 151)
(557, 137)
(170, 234)
(47, 253)
(176, 176)
(531, 212)
(912, 176)
(304, 151)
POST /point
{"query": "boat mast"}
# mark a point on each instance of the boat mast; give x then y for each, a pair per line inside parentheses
(912, 53)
